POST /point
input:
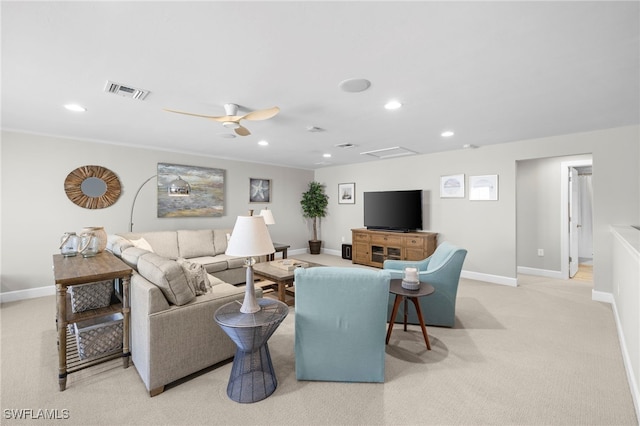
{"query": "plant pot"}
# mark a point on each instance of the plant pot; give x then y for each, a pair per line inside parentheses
(314, 246)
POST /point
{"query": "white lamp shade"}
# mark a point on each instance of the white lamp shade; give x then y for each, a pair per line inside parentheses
(268, 216)
(250, 237)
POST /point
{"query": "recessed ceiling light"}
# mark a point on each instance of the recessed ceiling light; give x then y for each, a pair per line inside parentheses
(75, 107)
(447, 134)
(326, 155)
(263, 143)
(392, 105)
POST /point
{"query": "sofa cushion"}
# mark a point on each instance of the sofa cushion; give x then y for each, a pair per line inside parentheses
(236, 262)
(195, 243)
(131, 255)
(212, 263)
(214, 281)
(196, 276)
(164, 243)
(220, 240)
(117, 244)
(169, 276)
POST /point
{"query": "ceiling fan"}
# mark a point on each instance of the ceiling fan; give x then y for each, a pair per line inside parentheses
(232, 119)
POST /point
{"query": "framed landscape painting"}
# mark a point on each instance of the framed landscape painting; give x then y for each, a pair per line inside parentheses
(206, 198)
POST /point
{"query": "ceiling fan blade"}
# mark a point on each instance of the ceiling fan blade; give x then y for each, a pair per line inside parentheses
(234, 118)
(242, 131)
(262, 114)
(213, 117)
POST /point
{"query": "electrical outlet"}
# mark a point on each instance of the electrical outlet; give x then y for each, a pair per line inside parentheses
(540, 252)
(343, 239)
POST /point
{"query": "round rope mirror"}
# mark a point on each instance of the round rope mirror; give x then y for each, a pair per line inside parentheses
(92, 187)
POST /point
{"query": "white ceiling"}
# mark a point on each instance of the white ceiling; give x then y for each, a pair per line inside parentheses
(492, 72)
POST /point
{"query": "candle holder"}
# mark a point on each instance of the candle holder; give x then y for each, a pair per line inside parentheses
(410, 279)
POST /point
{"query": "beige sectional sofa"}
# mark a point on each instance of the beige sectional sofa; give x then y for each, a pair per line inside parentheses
(173, 333)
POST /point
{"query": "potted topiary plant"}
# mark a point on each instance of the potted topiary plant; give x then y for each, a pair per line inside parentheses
(314, 206)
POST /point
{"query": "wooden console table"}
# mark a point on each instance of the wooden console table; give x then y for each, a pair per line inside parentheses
(70, 271)
(372, 248)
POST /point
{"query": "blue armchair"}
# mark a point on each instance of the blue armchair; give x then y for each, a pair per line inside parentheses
(340, 324)
(441, 270)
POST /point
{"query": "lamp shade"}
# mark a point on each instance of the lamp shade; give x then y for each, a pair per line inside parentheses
(250, 237)
(179, 188)
(268, 216)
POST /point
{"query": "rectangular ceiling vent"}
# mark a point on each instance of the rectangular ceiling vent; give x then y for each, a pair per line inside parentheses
(126, 91)
(396, 151)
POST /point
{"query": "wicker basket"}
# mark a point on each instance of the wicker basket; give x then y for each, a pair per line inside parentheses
(99, 336)
(91, 296)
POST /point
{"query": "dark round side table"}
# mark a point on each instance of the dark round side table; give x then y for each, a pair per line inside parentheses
(252, 376)
(413, 295)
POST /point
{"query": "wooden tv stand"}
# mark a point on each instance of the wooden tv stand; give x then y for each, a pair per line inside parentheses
(372, 248)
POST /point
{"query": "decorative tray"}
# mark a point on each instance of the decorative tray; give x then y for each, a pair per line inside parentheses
(289, 264)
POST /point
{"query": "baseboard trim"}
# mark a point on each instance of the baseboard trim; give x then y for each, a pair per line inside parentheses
(628, 367)
(31, 293)
(601, 296)
(540, 272)
(494, 279)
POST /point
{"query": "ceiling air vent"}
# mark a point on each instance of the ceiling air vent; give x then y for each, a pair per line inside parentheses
(126, 91)
(345, 145)
(396, 151)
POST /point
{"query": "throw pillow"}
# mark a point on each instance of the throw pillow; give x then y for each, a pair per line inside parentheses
(196, 276)
(168, 276)
(142, 244)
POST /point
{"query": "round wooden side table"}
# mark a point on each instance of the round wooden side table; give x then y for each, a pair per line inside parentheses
(402, 294)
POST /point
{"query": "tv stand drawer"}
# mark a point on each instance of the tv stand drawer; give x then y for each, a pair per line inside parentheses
(386, 239)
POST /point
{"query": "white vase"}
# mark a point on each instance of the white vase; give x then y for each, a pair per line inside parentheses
(100, 234)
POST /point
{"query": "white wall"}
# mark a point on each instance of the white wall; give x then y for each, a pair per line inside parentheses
(36, 211)
(538, 212)
(487, 229)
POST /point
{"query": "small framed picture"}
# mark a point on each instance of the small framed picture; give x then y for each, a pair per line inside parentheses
(483, 188)
(452, 186)
(259, 190)
(346, 193)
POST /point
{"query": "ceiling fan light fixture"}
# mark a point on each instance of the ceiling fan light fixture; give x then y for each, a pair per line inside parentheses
(231, 125)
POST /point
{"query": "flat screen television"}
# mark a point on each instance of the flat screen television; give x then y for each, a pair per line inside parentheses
(399, 211)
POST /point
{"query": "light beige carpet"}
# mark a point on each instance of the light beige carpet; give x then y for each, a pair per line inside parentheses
(540, 354)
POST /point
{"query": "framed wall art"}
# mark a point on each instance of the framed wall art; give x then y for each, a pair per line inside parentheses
(206, 198)
(346, 193)
(452, 186)
(259, 190)
(483, 188)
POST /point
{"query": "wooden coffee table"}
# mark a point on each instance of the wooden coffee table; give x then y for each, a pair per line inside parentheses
(282, 278)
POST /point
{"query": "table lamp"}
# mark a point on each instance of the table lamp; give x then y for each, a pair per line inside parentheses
(268, 216)
(250, 237)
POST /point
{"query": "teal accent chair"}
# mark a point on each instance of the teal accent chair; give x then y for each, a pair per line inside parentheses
(441, 270)
(340, 324)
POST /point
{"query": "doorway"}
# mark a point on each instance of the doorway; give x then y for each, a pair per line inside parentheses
(577, 220)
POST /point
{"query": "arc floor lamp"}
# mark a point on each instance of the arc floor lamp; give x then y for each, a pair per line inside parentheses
(176, 188)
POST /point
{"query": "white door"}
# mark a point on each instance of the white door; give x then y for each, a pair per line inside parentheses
(574, 205)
